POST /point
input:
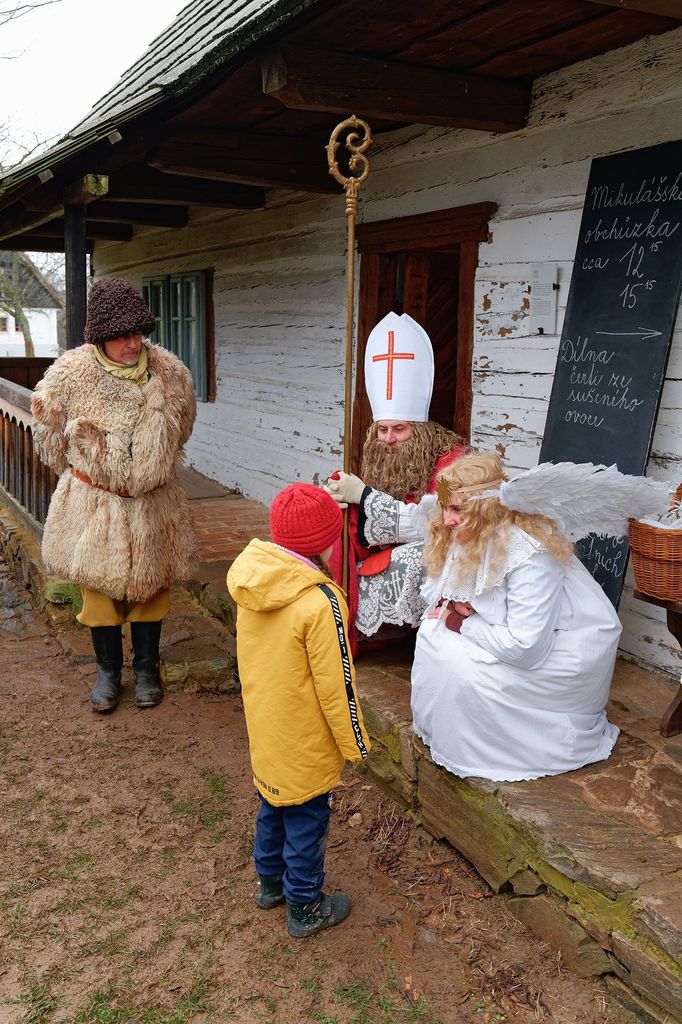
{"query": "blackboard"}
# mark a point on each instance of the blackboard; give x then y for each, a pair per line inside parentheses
(620, 315)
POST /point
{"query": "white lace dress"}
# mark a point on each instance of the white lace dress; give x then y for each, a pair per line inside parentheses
(520, 692)
(394, 595)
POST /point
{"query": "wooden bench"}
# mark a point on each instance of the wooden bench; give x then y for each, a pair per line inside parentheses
(671, 722)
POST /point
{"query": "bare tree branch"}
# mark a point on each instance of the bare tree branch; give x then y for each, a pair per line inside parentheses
(12, 11)
(12, 301)
(51, 266)
(18, 10)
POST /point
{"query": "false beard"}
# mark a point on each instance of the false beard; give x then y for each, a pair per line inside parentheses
(398, 469)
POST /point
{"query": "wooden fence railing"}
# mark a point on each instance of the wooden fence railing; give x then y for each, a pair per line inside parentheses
(24, 370)
(22, 474)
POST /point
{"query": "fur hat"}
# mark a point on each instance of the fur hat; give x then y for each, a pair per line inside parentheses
(116, 308)
(305, 519)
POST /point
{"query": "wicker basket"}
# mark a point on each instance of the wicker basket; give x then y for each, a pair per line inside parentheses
(657, 558)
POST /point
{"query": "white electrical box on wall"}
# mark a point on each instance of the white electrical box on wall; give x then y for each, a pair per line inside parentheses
(543, 298)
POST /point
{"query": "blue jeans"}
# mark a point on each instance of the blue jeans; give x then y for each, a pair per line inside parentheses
(291, 841)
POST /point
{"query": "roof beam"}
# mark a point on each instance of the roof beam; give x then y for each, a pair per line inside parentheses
(144, 184)
(339, 83)
(40, 209)
(96, 230)
(269, 161)
(18, 219)
(106, 154)
(82, 191)
(87, 189)
(148, 214)
(663, 8)
(38, 243)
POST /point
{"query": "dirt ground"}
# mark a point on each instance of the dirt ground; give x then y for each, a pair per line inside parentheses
(127, 888)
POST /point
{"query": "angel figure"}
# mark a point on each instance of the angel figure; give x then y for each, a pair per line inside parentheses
(515, 654)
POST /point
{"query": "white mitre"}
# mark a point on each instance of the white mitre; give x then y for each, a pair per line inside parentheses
(399, 370)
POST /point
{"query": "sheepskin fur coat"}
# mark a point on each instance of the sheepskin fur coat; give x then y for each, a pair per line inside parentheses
(123, 437)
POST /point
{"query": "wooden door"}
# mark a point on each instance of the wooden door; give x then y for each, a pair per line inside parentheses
(424, 266)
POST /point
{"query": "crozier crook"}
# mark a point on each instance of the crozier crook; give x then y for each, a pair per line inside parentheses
(358, 162)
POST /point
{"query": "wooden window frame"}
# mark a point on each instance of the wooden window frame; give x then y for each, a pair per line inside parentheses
(206, 388)
(381, 241)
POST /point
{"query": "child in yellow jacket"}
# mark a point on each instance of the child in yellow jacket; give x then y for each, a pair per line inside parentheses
(301, 707)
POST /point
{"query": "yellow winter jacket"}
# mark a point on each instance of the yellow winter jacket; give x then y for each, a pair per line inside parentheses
(298, 682)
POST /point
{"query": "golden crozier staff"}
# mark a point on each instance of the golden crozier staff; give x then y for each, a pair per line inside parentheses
(358, 162)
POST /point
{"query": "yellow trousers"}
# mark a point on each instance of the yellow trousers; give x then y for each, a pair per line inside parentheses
(100, 610)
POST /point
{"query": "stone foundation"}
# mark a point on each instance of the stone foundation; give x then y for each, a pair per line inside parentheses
(605, 892)
(197, 651)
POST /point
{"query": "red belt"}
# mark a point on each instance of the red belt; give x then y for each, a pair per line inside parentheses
(86, 480)
(376, 562)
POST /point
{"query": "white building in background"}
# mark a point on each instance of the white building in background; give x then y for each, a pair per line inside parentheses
(44, 331)
(42, 305)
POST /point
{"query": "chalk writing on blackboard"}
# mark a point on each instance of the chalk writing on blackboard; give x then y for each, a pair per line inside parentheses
(619, 318)
(596, 388)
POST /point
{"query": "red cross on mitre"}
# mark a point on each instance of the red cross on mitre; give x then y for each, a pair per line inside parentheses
(390, 358)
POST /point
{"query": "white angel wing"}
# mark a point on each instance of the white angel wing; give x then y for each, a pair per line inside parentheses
(583, 498)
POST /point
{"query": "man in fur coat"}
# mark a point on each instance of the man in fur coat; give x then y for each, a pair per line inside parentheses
(403, 454)
(111, 418)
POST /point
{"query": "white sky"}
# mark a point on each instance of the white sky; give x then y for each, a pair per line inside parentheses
(56, 61)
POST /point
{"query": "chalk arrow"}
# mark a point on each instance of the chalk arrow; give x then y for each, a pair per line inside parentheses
(642, 332)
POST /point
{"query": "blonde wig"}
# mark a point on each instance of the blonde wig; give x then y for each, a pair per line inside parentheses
(405, 468)
(484, 520)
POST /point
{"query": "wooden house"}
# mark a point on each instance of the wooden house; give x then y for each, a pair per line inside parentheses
(202, 177)
(41, 303)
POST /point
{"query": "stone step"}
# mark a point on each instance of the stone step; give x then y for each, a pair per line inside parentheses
(198, 651)
(601, 884)
(210, 590)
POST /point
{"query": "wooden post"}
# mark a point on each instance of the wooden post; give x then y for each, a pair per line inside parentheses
(76, 272)
(77, 195)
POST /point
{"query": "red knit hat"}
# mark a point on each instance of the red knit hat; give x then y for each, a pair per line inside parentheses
(305, 519)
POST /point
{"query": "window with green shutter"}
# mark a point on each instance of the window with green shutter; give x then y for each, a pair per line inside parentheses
(180, 302)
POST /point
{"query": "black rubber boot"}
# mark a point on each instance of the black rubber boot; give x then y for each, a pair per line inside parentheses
(307, 918)
(148, 689)
(108, 648)
(269, 892)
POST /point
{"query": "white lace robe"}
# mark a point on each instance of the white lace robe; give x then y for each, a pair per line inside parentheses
(520, 692)
(393, 596)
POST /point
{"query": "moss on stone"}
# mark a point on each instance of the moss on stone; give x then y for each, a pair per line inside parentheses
(58, 591)
(390, 775)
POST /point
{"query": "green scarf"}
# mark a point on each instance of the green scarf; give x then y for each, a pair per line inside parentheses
(137, 373)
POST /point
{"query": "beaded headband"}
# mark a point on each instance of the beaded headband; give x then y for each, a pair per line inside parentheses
(444, 489)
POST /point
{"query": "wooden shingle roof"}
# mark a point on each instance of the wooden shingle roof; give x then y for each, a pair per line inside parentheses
(236, 97)
(204, 35)
(36, 290)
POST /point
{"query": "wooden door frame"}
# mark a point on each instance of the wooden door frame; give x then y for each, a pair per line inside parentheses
(379, 243)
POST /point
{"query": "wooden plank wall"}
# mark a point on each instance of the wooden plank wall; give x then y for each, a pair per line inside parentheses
(279, 290)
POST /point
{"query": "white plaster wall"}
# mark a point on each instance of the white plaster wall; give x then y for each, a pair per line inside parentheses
(279, 287)
(43, 324)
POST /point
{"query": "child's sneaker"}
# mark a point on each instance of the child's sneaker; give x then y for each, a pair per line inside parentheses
(269, 892)
(324, 912)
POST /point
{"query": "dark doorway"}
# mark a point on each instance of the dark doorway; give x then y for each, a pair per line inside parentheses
(424, 266)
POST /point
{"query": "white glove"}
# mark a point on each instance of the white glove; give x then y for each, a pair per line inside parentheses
(346, 489)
